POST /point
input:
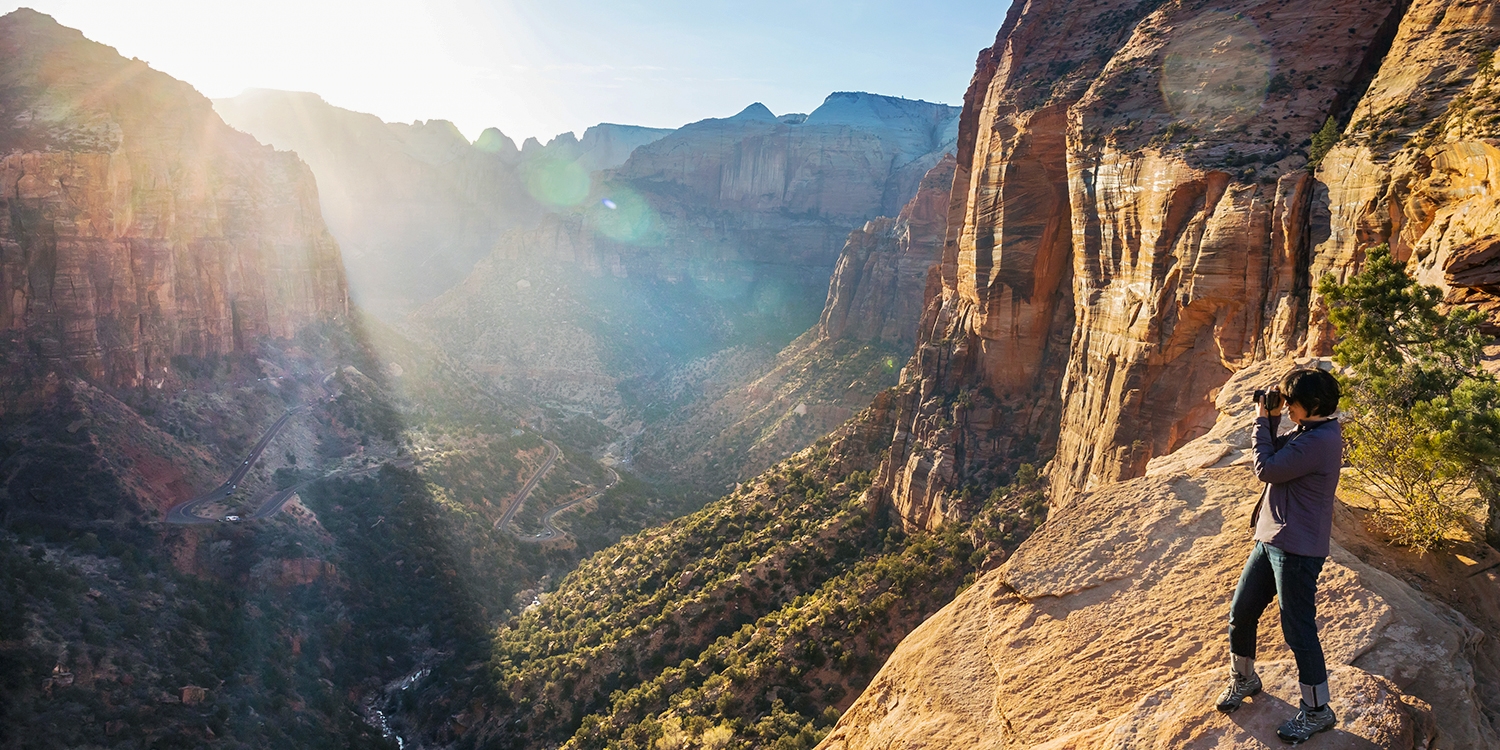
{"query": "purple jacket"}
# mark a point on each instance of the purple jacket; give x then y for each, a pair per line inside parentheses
(1301, 472)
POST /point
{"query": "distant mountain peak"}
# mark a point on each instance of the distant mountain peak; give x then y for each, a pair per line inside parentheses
(492, 141)
(755, 112)
(281, 94)
(563, 139)
(37, 20)
(861, 108)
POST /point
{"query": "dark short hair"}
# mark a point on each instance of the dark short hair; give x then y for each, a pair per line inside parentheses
(1317, 391)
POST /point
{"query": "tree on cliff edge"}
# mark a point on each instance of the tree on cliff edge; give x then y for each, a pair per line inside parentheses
(1424, 424)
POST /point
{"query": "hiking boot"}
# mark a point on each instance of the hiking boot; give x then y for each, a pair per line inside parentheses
(1309, 721)
(1238, 689)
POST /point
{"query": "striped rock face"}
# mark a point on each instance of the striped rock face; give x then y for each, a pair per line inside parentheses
(1133, 221)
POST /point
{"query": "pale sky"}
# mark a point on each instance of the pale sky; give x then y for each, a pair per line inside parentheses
(542, 67)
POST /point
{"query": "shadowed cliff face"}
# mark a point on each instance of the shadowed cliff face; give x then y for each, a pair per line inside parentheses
(135, 225)
(1131, 221)
(879, 283)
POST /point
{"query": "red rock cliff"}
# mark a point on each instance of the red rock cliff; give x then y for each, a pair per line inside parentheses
(1132, 221)
(135, 225)
(877, 289)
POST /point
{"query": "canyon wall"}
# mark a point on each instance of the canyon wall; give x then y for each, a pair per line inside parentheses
(135, 225)
(415, 205)
(857, 155)
(1134, 239)
(684, 271)
(1133, 221)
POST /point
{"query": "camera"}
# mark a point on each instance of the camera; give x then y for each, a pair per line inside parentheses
(1272, 399)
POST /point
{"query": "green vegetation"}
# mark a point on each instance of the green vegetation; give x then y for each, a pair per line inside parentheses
(718, 439)
(1424, 428)
(95, 648)
(1322, 142)
(747, 624)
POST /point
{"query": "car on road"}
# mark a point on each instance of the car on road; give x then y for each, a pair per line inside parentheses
(231, 518)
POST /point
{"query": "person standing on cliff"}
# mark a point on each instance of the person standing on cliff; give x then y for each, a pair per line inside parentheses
(1292, 523)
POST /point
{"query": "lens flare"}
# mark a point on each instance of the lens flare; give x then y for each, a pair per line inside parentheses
(771, 298)
(1217, 71)
(624, 216)
(557, 182)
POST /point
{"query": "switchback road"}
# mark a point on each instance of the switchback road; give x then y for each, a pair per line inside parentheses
(185, 513)
(552, 454)
(548, 530)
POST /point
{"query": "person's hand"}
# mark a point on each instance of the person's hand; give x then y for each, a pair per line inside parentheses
(1260, 408)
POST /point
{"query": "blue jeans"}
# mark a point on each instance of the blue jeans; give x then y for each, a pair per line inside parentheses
(1294, 579)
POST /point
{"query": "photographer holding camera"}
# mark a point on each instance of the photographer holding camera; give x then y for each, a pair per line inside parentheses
(1292, 522)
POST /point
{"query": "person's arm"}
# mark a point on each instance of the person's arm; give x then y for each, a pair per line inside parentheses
(1276, 466)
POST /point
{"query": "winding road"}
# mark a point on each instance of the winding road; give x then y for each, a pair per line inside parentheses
(552, 453)
(186, 512)
(548, 530)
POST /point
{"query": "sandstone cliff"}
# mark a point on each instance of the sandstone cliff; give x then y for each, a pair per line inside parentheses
(1106, 629)
(1413, 167)
(1133, 240)
(135, 225)
(880, 282)
(856, 156)
(1132, 221)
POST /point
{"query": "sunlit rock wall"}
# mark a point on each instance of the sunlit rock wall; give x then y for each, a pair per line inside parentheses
(135, 225)
(1132, 222)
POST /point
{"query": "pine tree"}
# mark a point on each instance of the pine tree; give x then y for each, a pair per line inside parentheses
(1425, 417)
(1322, 141)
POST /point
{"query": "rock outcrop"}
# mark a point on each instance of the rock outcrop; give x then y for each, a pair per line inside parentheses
(135, 225)
(1414, 166)
(879, 285)
(1132, 222)
(416, 205)
(1106, 629)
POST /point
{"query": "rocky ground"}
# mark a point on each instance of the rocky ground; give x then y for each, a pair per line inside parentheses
(1110, 623)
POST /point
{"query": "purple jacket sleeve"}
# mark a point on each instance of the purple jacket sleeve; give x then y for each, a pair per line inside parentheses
(1276, 466)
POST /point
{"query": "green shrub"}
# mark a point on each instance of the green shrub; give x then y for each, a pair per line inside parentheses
(1322, 142)
(1424, 417)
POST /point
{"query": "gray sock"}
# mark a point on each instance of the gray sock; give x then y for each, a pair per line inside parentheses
(1243, 666)
(1315, 696)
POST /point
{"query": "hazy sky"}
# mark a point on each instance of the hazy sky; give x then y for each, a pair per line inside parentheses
(541, 67)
